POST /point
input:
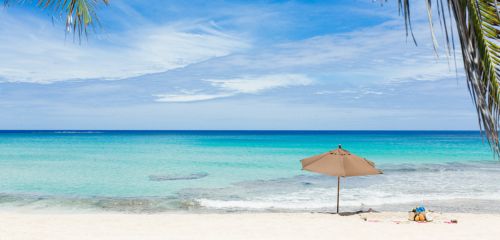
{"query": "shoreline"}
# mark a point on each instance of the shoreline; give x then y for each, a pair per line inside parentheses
(387, 225)
(176, 206)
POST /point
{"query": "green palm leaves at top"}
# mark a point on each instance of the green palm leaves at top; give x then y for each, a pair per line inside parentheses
(78, 14)
(477, 23)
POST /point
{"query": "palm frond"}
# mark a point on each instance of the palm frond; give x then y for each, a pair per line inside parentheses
(78, 15)
(477, 24)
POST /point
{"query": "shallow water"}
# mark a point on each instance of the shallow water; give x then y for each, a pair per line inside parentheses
(155, 171)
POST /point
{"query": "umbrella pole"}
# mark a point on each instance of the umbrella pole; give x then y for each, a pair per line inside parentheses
(338, 193)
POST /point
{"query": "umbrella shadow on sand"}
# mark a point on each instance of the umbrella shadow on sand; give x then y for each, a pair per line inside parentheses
(346, 214)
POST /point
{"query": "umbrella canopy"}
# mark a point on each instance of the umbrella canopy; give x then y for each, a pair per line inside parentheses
(339, 163)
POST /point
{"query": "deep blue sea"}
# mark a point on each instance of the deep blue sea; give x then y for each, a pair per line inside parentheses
(157, 171)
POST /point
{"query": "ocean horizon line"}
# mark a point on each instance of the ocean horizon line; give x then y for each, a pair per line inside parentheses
(233, 130)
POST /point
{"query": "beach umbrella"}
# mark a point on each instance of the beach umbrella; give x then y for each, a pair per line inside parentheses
(339, 163)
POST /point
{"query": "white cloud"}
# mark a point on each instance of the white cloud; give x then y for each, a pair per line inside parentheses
(381, 54)
(351, 93)
(189, 97)
(235, 86)
(261, 83)
(35, 51)
(374, 59)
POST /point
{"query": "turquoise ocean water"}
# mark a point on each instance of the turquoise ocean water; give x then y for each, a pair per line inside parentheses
(156, 171)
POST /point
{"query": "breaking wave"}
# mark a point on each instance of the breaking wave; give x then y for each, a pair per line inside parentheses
(457, 187)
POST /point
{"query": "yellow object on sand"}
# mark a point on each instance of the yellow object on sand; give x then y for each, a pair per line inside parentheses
(420, 217)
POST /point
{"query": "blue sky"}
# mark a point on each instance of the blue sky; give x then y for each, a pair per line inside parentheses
(230, 65)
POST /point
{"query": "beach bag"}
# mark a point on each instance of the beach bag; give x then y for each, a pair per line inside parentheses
(417, 214)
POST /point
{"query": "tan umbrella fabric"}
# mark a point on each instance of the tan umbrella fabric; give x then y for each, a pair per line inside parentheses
(339, 163)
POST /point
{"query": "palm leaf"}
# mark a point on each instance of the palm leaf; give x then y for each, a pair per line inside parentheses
(79, 15)
(478, 28)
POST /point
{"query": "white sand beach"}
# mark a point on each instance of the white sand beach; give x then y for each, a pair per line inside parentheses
(35, 225)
